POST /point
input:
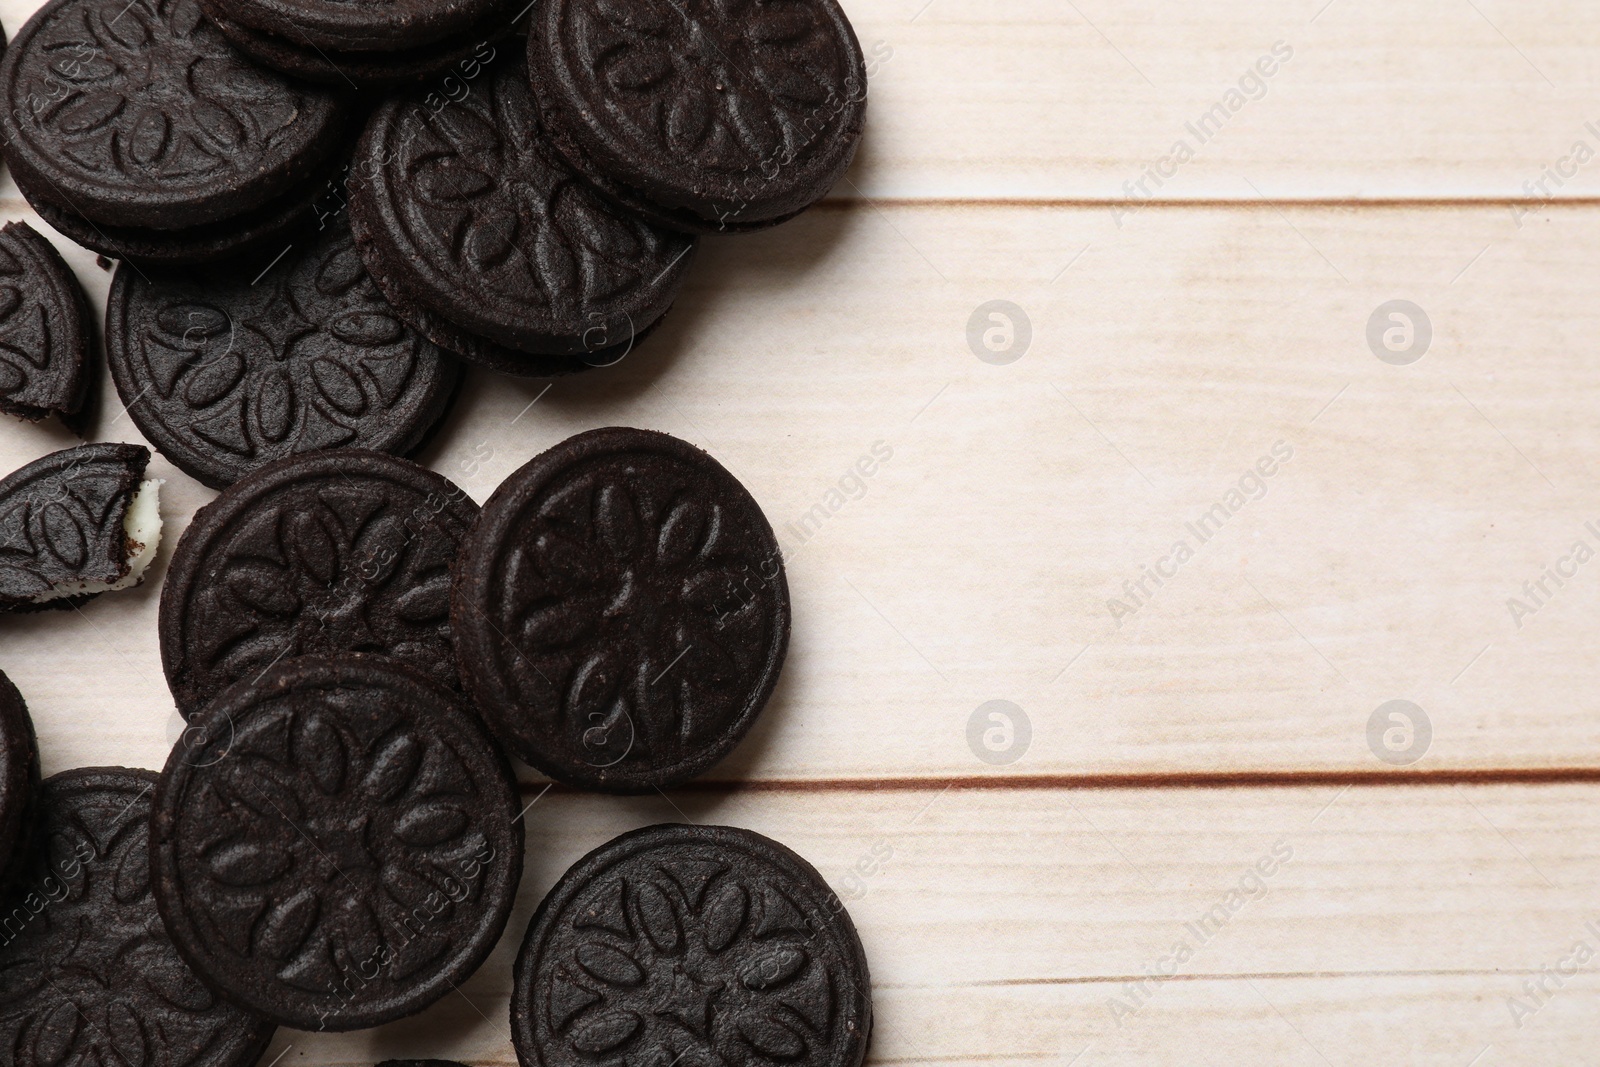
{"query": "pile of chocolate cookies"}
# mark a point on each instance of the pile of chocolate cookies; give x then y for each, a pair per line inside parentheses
(337, 838)
(318, 207)
(525, 185)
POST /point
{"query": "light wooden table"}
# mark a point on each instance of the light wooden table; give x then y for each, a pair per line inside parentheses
(1209, 724)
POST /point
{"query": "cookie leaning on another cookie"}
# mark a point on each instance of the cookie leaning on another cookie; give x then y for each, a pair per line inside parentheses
(486, 241)
(705, 118)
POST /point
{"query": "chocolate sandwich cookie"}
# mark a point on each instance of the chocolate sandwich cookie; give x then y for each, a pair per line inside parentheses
(620, 611)
(19, 779)
(227, 371)
(454, 55)
(692, 944)
(341, 845)
(391, 26)
(76, 524)
(338, 551)
(482, 238)
(88, 975)
(142, 115)
(44, 328)
(254, 237)
(706, 117)
(327, 552)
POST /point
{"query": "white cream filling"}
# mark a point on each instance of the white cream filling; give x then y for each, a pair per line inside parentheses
(142, 524)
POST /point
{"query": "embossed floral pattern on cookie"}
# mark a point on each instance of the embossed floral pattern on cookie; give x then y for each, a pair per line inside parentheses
(703, 945)
(225, 374)
(87, 974)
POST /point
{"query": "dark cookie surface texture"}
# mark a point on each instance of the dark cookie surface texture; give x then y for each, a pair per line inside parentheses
(255, 236)
(61, 522)
(692, 944)
(464, 212)
(620, 611)
(87, 972)
(19, 776)
(142, 114)
(227, 372)
(365, 26)
(342, 845)
(340, 551)
(439, 59)
(45, 328)
(725, 114)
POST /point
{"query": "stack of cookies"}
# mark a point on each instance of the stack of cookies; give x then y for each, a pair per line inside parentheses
(527, 195)
(138, 131)
(367, 45)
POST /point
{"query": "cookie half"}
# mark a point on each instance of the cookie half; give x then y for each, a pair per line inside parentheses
(75, 524)
(45, 328)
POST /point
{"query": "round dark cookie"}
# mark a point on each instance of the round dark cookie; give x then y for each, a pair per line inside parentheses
(463, 212)
(366, 70)
(699, 944)
(142, 114)
(19, 780)
(342, 845)
(484, 353)
(88, 974)
(61, 523)
(337, 551)
(226, 372)
(254, 236)
(723, 117)
(45, 328)
(369, 26)
(620, 611)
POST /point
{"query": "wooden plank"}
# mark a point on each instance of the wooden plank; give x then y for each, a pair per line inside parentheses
(979, 559)
(1393, 926)
(1377, 98)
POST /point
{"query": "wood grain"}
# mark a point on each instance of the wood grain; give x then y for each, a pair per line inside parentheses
(1001, 927)
(1405, 150)
(1050, 99)
(978, 561)
(1046, 99)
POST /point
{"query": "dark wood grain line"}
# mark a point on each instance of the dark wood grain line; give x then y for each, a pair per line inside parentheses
(851, 200)
(1176, 780)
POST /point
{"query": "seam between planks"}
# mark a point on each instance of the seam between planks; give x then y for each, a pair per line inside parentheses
(849, 201)
(1443, 777)
(1223, 203)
